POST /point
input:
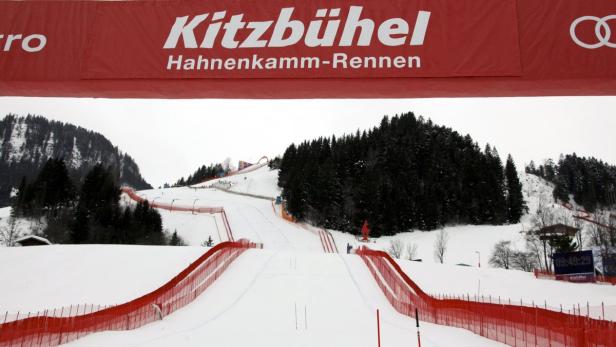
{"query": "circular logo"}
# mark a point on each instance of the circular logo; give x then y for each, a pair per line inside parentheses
(602, 32)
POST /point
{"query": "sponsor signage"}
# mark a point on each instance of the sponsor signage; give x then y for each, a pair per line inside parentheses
(334, 48)
(324, 39)
(573, 263)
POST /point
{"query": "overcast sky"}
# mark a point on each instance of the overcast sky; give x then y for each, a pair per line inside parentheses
(171, 138)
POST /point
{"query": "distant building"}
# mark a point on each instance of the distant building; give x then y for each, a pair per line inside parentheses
(555, 230)
(243, 164)
(32, 240)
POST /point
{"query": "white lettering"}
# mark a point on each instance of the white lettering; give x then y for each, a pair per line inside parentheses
(391, 27)
(171, 62)
(352, 24)
(231, 28)
(9, 41)
(42, 41)
(254, 39)
(312, 35)
(329, 28)
(339, 58)
(282, 24)
(212, 30)
(186, 31)
(421, 26)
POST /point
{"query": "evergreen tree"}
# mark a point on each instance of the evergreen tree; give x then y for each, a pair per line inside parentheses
(406, 173)
(175, 240)
(590, 181)
(516, 206)
(80, 227)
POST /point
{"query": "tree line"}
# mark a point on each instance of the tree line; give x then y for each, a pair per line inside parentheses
(201, 174)
(90, 213)
(26, 143)
(590, 181)
(405, 174)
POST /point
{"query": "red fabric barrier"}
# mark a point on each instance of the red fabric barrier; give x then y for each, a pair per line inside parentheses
(307, 49)
(170, 207)
(510, 324)
(173, 295)
(327, 241)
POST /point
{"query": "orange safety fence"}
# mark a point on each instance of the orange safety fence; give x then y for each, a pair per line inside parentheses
(285, 215)
(46, 329)
(510, 324)
(181, 208)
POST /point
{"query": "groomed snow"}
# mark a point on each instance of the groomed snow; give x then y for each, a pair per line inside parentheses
(262, 181)
(490, 284)
(256, 302)
(47, 277)
(250, 218)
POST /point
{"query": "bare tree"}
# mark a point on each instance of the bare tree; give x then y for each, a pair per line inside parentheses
(411, 251)
(603, 237)
(524, 261)
(440, 245)
(539, 248)
(9, 233)
(396, 246)
(501, 255)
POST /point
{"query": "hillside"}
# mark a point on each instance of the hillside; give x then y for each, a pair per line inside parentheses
(27, 142)
(311, 298)
(407, 173)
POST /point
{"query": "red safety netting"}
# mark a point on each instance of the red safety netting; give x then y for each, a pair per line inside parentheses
(47, 330)
(181, 208)
(510, 324)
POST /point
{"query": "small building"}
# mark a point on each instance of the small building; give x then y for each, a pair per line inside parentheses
(556, 230)
(32, 240)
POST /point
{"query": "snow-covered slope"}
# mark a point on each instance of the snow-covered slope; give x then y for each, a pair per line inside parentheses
(492, 284)
(262, 182)
(251, 218)
(47, 277)
(288, 298)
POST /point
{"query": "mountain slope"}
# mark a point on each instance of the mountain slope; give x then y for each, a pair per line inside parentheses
(27, 142)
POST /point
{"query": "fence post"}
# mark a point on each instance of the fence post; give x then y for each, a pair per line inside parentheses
(602, 310)
(536, 313)
(417, 325)
(378, 328)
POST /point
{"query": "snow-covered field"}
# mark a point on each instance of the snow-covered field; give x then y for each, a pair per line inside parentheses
(255, 301)
(489, 284)
(48, 277)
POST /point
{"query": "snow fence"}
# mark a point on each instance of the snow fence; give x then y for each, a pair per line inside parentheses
(44, 329)
(510, 324)
(130, 192)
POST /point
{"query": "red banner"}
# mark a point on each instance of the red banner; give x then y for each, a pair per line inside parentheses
(287, 49)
